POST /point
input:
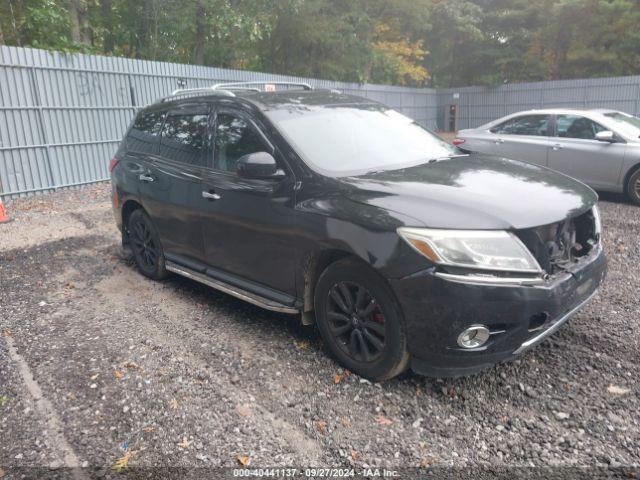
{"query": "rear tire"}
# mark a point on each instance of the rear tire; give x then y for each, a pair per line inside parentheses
(633, 187)
(360, 321)
(146, 246)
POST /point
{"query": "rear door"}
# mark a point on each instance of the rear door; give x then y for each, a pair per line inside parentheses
(247, 224)
(525, 137)
(141, 148)
(576, 152)
(170, 186)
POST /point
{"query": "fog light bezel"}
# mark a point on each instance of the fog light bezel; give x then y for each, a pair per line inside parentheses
(479, 339)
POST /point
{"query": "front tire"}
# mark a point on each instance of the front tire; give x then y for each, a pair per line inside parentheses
(146, 246)
(360, 321)
(633, 187)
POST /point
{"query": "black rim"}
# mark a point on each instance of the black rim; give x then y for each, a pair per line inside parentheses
(144, 245)
(356, 321)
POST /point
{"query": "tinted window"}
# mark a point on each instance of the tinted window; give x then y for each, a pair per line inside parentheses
(526, 125)
(143, 136)
(576, 126)
(184, 137)
(234, 137)
(348, 140)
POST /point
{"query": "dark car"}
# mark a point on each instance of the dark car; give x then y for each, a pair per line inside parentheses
(402, 250)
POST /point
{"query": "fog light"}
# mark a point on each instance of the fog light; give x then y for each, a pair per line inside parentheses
(474, 336)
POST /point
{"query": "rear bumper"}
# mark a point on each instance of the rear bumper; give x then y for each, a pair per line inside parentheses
(437, 309)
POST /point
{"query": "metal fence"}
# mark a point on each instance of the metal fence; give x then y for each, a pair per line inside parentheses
(62, 116)
(478, 105)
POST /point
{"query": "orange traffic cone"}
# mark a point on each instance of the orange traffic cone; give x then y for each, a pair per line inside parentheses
(3, 214)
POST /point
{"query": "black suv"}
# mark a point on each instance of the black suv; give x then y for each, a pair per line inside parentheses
(401, 249)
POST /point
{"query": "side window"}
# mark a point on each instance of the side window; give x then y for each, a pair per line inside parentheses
(184, 137)
(143, 136)
(526, 125)
(576, 126)
(234, 137)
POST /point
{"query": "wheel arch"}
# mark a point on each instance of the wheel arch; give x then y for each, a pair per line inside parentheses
(633, 169)
(128, 207)
(314, 266)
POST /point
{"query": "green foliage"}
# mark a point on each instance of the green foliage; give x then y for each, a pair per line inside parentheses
(412, 42)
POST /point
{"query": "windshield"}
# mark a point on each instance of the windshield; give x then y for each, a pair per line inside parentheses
(628, 123)
(352, 139)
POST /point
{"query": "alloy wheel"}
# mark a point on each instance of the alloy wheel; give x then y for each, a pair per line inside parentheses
(356, 321)
(144, 244)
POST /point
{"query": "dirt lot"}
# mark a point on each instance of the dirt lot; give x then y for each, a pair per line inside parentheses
(98, 364)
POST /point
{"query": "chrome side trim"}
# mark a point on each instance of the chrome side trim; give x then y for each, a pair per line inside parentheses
(490, 279)
(553, 328)
(230, 289)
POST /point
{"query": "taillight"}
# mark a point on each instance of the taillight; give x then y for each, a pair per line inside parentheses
(112, 164)
(458, 141)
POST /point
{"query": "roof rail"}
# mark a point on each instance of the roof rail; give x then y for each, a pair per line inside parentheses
(225, 88)
(244, 85)
(185, 91)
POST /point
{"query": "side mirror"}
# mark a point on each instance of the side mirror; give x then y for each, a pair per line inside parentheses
(259, 165)
(606, 136)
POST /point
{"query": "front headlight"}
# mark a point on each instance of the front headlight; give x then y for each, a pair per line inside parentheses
(477, 249)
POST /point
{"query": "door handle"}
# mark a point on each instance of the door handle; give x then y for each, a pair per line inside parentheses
(210, 195)
(146, 178)
(557, 146)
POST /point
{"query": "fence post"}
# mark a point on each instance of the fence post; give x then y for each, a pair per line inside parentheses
(35, 90)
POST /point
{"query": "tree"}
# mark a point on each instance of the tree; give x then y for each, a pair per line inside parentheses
(443, 43)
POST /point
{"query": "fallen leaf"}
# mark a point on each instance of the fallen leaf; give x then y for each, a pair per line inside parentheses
(426, 462)
(185, 443)
(321, 426)
(149, 429)
(132, 365)
(303, 345)
(173, 403)
(244, 460)
(94, 377)
(355, 455)
(1, 473)
(345, 421)
(3, 399)
(7, 333)
(338, 377)
(617, 390)
(243, 410)
(118, 374)
(382, 420)
(123, 462)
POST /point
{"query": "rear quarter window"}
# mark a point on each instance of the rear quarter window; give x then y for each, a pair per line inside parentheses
(184, 138)
(145, 132)
(535, 125)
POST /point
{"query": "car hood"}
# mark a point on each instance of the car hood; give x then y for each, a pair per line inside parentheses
(474, 191)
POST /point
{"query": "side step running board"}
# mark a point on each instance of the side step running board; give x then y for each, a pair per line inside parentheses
(230, 289)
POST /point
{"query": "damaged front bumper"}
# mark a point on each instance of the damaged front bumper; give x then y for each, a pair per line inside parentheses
(519, 313)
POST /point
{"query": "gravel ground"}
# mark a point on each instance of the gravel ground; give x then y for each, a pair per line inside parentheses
(99, 364)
